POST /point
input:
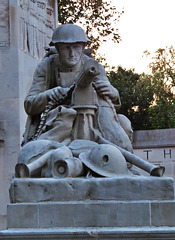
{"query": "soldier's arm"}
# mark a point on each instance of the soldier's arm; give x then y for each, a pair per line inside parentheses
(36, 100)
(39, 94)
(105, 89)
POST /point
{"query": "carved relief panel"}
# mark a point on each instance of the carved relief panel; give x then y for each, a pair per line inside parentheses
(4, 23)
(37, 19)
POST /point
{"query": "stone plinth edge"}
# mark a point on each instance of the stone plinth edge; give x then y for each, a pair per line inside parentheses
(99, 214)
(81, 189)
(90, 233)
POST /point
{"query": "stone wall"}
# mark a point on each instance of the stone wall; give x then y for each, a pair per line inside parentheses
(158, 147)
(4, 24)
(26, 27)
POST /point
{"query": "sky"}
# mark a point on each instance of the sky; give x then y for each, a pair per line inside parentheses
(145, 25)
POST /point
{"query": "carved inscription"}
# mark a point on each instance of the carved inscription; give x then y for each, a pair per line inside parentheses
(41, 4)
(37, 19)
(4, 23)
(156, 154)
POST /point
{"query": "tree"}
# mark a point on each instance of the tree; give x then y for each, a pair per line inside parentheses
(163, 72)
(98, 18)
(136, 94)
(147, 99)
(163, 63)
(162, 113)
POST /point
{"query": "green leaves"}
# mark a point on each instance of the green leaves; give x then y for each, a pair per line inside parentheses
(147, 99)
(98, 18)
(136, 95)
(162, 114)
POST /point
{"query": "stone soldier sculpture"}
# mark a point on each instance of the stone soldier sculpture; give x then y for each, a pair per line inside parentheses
(71, 109)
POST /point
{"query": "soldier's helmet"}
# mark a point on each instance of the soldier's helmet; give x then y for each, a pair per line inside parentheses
(69, 33)
(105, 160)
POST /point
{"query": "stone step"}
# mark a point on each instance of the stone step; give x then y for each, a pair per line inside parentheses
(149, 233)
(92, 214)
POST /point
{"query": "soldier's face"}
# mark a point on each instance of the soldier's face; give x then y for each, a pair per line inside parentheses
(70, 53)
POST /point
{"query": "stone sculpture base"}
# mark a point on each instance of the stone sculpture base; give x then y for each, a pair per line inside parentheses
(163, 233)
(95, 208)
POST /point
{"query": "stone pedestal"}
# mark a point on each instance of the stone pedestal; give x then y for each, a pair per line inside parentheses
(163, 233)
(47, 190)
(157, 147)
(26, 27)
(95, 208)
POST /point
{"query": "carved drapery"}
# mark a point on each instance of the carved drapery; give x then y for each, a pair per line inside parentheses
(37, 19)
(4, 23)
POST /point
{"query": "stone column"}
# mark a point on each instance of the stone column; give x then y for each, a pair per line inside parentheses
(26, 27)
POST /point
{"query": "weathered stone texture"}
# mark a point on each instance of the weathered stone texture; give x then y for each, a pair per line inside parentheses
(91, 233)
(154, 138)
(96, 202)
(37, 21)
(17, 64)
(96, 214)
(4, 23)
(79, 189)
(157, 147)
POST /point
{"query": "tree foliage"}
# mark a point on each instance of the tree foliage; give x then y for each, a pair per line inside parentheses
(97, 17)
(164, 63)
(162, 114)
(163, 72)
(136, 95)
(147, 99)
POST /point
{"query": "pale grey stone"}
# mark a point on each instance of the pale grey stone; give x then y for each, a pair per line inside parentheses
(79, 214)
(163, 213)
(94, 214)
(87, 202)
(169, 168)
(90, 233)
(4, 23)
(26, 216)
(82, 189)
(9, 109)
(36, 24)
(97, 214)
(86, 88)
(154, 138)
(16, 82)
(9, 79)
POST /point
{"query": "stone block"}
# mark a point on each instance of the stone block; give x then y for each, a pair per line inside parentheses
(22, 216)
(20, 22)
(163, 214)
(9, 109)
(94, 214)
(90, 234)
(154, 138)
(79, 214)
(80, 189)
(4, 24)
(168, 168)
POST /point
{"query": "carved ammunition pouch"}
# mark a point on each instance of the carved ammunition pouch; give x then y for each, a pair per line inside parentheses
(30, 128)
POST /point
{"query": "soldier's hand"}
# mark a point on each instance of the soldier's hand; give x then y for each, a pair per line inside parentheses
(106, 89)
(58, 94)
(54, 95)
